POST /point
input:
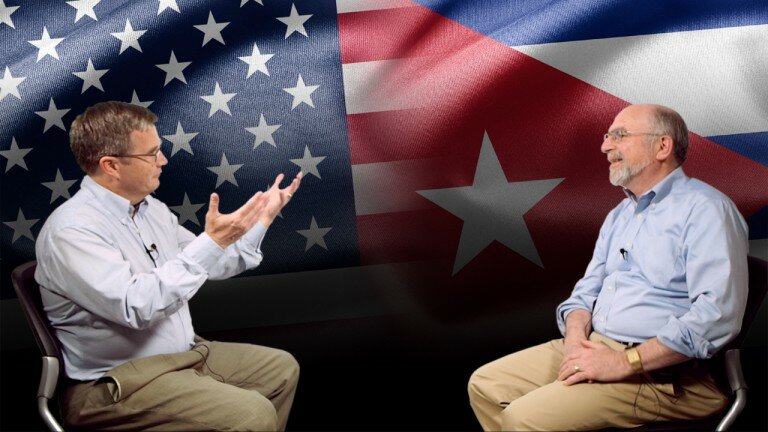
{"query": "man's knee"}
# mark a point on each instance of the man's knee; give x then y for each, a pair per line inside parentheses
(289, 365)
(476, 383)
(263, 417)
(243, 410)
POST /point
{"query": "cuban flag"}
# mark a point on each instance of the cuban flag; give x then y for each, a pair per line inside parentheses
(450, 148)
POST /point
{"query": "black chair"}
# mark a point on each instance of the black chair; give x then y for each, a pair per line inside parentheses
(28, 292)
(727, 366)
(758, 284)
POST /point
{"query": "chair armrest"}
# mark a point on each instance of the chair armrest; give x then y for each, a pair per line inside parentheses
(738, 387)
(49, 378)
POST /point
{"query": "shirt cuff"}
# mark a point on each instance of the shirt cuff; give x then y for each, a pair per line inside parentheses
(252, 239)
(204, 252)
(562, 316)
(676, 336)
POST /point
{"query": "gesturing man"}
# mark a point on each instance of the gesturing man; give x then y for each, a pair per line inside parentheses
(666, 287)
(117, 272)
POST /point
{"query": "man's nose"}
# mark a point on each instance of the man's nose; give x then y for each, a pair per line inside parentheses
(607, 145)
(161, 159)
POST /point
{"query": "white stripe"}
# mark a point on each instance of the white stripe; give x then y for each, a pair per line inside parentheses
(384, 85)
(717, 79)
(344, 6)
(389, 186)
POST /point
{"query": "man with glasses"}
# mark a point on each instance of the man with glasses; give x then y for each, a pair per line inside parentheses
(666, 287)
(117, 272)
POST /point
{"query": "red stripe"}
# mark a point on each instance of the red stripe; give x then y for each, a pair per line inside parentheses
(391, 33)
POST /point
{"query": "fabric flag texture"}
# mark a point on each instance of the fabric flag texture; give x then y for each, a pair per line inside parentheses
(459, 136)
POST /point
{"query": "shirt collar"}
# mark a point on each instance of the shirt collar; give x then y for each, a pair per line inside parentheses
(661, 189)
(114, 203)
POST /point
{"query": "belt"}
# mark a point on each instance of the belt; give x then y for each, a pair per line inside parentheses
(71, 381)
(629, 344)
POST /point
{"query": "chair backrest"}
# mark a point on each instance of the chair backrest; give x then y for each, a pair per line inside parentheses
(28, 292)
(758, 285)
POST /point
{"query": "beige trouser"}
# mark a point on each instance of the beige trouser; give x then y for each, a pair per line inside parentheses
(521, 392)
(214, 386)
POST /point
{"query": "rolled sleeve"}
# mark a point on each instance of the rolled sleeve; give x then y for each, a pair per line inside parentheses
(716, 276)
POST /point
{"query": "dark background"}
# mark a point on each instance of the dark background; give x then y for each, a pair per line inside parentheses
(391, 372)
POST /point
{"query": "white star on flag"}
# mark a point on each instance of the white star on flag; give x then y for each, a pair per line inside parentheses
(218, 101)
(257, 61)
(492, 209)
(212, 29)
(129, 38)
(135, 100)
(315, 235)
(15, 155)
(180, 140)
(167, 4)
(301, 93)
(263, 132)
(6, 12)
(294, 22)
(309, 163)
(84, 7)
(46, 45)
(53, 116)
(91, 77)
(243, 2)
(59, 187)
(225, 172)
(9, 85)
(22, 227)
(174, 69)
(187, 211)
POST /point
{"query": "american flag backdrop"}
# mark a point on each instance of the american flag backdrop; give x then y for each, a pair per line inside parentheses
(452, 145)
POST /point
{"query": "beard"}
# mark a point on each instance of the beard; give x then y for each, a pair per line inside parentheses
(623, 175)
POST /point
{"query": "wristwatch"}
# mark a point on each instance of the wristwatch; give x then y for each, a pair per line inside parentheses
(634, 360)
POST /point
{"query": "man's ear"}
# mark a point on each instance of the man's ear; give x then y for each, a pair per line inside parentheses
(666, 148)
(108, 165)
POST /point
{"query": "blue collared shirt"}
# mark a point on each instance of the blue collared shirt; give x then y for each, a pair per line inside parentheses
(106, 298)
(682, 277)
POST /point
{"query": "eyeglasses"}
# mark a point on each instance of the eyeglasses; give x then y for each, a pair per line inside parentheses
(618, 135)
(142, 156)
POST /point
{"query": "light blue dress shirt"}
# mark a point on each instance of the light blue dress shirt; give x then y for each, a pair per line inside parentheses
(682, 277)
(106, 298)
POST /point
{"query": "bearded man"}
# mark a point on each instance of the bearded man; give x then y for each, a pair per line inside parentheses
(666, 288)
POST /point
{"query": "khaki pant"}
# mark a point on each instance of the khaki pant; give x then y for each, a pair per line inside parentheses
(214, 386)
(521, 392)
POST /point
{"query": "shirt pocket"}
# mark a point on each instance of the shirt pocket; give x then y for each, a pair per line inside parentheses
(660, 261)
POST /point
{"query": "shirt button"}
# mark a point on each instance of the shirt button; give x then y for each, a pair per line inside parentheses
(639, 216)
(610, 287)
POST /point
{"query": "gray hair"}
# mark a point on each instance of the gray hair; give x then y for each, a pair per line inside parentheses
(669, 122)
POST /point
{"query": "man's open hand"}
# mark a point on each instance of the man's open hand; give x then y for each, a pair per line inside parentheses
(277, 198)
(226, 229)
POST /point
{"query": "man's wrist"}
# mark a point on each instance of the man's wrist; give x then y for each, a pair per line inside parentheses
(634, 360)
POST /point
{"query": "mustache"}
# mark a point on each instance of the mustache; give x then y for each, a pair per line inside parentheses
(615, 157)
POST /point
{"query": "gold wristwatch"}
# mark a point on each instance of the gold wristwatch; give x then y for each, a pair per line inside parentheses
(634, 360)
